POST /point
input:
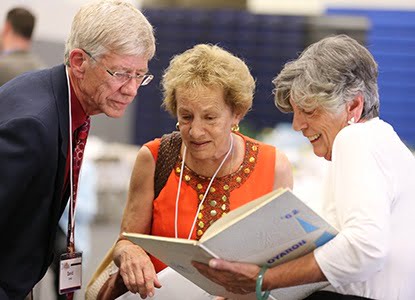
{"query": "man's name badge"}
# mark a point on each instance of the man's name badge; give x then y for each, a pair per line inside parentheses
(70, 275)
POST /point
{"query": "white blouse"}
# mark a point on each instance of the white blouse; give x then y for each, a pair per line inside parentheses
(370, 199)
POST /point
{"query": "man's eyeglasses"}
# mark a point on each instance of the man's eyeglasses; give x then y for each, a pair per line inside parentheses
(122, 77)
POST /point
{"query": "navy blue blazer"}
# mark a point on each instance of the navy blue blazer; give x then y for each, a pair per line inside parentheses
(34, 133)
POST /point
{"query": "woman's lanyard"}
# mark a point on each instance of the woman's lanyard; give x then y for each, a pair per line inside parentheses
(204, 196)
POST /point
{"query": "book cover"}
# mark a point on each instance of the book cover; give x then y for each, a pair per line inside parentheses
(272, 229)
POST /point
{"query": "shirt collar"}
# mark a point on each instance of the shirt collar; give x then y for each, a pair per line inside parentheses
(78, 114)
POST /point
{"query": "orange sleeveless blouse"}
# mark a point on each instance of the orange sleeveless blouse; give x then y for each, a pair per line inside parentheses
(254, 178)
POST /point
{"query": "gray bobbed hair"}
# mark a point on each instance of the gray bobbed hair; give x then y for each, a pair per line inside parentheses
(329, 74)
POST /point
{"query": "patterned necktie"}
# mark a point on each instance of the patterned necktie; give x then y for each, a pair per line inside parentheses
(78, 154)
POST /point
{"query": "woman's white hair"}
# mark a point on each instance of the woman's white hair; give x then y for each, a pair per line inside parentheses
(329, 74)
(111, 26)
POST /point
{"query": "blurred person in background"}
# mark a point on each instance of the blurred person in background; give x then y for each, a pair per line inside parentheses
(41, 114)
(332, 91)
(16, 43)
(216, 169)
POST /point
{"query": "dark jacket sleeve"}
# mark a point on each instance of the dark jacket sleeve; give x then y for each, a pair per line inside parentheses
(3, 295)
(23, 161)
(23, 153)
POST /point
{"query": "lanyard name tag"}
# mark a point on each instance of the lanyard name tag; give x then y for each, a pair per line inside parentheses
(70, 274)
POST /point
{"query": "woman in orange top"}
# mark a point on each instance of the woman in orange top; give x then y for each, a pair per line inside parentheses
(209, 91)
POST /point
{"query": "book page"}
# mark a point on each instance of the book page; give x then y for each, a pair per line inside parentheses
(174, 287)
(239, 213)
(177, 287)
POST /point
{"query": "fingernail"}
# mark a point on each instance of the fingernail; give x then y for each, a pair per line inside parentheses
(151, 294)
(213, 263)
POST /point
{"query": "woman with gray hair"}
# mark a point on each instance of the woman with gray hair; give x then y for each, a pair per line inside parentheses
(332, 91)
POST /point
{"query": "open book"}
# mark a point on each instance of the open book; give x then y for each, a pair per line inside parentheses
(272, 229)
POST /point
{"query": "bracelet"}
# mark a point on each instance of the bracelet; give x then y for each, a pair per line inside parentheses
(258, 288)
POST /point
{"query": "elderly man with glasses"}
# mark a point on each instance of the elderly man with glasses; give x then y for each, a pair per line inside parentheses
(44, 123)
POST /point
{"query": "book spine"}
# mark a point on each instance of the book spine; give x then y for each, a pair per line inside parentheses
(208, 251)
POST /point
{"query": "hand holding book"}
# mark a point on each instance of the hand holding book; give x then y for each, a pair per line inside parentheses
(238, 278)
(273, 229)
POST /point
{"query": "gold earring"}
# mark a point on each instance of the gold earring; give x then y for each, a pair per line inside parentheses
(235, 128)
(177, 126)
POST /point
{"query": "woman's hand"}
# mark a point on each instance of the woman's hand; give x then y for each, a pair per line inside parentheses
(136, 269)
(237, 278)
